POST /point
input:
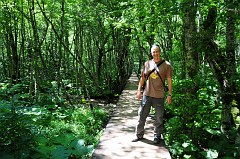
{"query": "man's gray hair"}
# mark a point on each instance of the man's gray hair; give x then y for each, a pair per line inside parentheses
(155, 45)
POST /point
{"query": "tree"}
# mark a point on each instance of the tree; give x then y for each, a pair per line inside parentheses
(225, 73)
(11, 42)
(190, 38)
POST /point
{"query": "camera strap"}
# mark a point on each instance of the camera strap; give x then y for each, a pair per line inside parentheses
(158, 75)
(161, 79)
(154, 70)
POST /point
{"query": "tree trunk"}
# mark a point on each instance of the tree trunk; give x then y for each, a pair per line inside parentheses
(141, 60)
(189, 38)
(229, 83)
(221, 64)
(4, 66)
(11, 43)
(33, 86)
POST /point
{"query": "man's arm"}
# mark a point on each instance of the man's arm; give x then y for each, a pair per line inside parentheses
(140, 85)
(169, 97)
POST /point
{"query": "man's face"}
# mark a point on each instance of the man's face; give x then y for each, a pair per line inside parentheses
(155, 52)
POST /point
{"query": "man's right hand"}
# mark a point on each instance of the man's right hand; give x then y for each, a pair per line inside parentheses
(139, 95)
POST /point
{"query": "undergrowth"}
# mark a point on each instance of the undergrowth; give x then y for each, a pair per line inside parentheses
(37, 133)
(193, 123)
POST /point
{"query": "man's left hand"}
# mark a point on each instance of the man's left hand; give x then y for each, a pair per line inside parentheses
(169, 99)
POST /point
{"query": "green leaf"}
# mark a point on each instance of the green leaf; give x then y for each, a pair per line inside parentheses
(80, 143)
(64, 139)
(61, 153)
(217, 111)
(210, 154)
(212, 131)
(45, 150)
(187, 156)
(185, 144)
(79, 147)
(41, 140)
(189, 147)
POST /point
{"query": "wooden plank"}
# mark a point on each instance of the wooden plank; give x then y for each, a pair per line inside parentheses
(116, 142)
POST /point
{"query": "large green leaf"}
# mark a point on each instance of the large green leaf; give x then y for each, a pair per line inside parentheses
(41, 140)
(64, 139)
(60, 152)
(210, 154)
(79, 147)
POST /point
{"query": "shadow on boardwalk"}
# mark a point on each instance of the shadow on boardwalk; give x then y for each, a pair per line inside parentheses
(116, 140)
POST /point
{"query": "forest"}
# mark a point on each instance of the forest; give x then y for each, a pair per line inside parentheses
(59, 59)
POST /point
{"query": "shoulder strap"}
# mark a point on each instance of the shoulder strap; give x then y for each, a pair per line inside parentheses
(154, 69)
(161, 79)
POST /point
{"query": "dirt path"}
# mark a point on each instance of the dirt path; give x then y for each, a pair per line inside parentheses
(116, 140)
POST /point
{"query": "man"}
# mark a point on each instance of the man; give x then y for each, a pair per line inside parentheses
(153, 93)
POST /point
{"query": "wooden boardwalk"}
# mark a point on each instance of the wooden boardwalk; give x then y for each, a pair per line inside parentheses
(116, 142)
